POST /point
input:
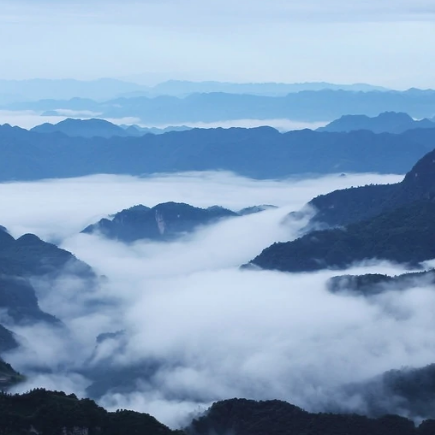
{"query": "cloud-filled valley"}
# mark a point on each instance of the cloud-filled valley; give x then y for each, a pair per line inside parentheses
(179, 325)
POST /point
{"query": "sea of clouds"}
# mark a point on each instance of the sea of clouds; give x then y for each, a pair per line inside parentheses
(187, 323)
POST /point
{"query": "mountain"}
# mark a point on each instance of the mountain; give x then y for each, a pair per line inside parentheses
(247, 417)
(30, 256)
(55, 413)
(99, 128)
(387, 122)
(255, 209)
(307, 106)
(258, 153)
(410, 390)
(106, 88)
(183, 88)
(135, 130)
(373, 284)
(19, 303)
(83, 128)
(20, 260)
(351, 205)
(37, 89)
(7, 340)
(8, 376)
(163, 222)
(403, 235)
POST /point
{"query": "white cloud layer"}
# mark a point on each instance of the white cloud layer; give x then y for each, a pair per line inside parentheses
(214, 331)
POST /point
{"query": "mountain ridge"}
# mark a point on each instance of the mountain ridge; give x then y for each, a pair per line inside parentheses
(259, 153)
(386, 122)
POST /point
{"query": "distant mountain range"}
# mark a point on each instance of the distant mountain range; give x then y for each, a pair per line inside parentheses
(308, 106)
(387, 122)
(100, 128)
(258, 153)
(106, 88)
(165, 221)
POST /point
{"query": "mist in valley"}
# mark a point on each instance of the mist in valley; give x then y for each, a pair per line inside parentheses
(173, 326)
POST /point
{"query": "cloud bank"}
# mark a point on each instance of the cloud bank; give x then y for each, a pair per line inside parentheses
(188, 327)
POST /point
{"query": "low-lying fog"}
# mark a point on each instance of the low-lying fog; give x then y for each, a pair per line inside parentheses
(211, 330)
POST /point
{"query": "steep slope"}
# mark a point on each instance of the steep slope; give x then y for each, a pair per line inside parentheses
(257, 153)
(404, 235)
(247, 417)
(162, 222)
(351, 205)
(387, 122)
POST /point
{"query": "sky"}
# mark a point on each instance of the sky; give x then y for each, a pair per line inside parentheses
(387, 42)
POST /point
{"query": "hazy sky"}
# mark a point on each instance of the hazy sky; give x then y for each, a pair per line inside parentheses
(387, 42)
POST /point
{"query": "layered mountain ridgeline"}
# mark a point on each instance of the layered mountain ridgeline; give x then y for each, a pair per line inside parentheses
(100, 128)
(404, 235)
(257, 153)
(184, 87)
(103, 89)
(247, 417)
(318, 106)
(387, 122)
(165, 221)
(375, 283)
(352, 205)
(55, 413)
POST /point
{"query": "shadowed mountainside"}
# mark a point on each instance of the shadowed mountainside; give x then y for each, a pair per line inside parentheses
(352, 205)
(404, 235)
(165, 221)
